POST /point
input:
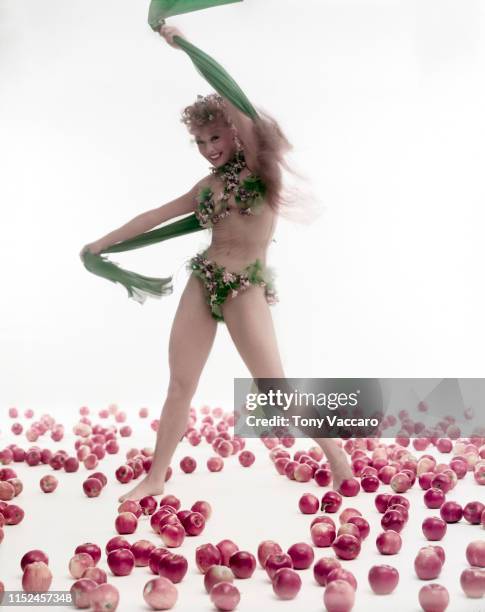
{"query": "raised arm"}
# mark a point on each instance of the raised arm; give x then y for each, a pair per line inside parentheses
(245, 132)
(243, 124)
(151, 218)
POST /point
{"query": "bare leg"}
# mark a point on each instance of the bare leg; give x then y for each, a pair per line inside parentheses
(250, 324)
(191, 339)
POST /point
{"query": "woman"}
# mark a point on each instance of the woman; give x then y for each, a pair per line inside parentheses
(240, 201)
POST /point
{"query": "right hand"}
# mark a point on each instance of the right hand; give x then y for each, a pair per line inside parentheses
(168, 32)
(93, 247)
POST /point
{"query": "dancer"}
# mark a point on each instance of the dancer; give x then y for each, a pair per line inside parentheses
(240, 201)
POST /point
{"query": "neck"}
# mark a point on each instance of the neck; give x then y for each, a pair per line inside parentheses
(237, 162)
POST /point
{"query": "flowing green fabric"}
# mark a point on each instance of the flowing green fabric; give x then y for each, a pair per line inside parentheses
(161, 9)
(215, 74)
(138, 286)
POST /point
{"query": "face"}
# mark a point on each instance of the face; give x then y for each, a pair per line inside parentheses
(216, 143)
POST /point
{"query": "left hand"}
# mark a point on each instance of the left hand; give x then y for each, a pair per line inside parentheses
(168, 32)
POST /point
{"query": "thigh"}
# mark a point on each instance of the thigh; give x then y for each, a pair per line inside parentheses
(192, 335)
(250, 324)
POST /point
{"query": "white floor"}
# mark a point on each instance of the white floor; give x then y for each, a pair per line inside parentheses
(249, 505)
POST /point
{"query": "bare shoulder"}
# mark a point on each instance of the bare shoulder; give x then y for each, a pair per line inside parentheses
(206, 181)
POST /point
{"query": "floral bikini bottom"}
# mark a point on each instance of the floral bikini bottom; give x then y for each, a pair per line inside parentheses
(219, 283)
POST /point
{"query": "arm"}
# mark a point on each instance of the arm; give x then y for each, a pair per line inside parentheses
(146, 221)
(245, 132)
(243, 124)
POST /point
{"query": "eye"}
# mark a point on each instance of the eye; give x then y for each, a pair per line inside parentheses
(215, 138)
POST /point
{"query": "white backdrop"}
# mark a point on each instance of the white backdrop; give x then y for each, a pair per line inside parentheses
(383, 101)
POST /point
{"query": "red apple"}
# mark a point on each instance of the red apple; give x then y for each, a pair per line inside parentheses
(381, 502)
(308, 504)
(472, 582)
(383, 579)
(246, 458)
(362, 525)
(160, 594)
(207, 555)
(96, 574)
(215, 464)
(451, 512)
(475, 553)
(188, 465)
(148, 505)
(322, 535)
(225, 596)
(172, 535)
(130, 506)
(346, 547)
(121, 561)
(36, 578)
(331, 502)
(322, 477)
(170, 500)
(203, 507)
(48, 483)
(154, 559)
(434, 528)
(266, 548)
(389, 542)
(339, 596)
(193, 524)
(323, 567)
(427, 564)
(275, 561)
(92, 487)
(242, 564)
(301, 554)
(33, 555)
(117, 542)
(124, 474)
(215, 574)
(104, 597)
(473, 511)
(126, 522)
(226, 549)
(81, 592)
(434, 598)
(91, 549)
(394, 520)
(79, 563)
(286, 583)
(141, 551)
(349, 487)
(174, 567)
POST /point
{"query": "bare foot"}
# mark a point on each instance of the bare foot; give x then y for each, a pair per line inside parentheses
(142, 489)
(340, 470)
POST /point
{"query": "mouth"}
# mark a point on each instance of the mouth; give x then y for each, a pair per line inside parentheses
(215, 158)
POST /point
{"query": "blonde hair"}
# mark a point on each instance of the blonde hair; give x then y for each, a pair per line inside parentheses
(205, 110)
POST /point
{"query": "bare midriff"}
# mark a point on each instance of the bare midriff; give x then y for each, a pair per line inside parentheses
(237, 239)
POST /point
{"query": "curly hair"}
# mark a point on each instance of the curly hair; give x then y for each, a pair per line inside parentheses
(206, 109)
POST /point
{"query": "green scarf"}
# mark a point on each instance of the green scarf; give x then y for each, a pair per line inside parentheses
(137, 285)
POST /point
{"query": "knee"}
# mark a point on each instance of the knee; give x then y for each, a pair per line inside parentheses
(181, 388)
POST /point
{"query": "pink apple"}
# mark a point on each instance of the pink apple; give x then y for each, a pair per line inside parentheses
(383, 579)
(286, 583)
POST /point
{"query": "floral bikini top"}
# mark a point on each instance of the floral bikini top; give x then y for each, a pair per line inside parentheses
(248, 194)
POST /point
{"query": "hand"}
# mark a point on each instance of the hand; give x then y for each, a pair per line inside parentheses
(94, 247)
(168, 32)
